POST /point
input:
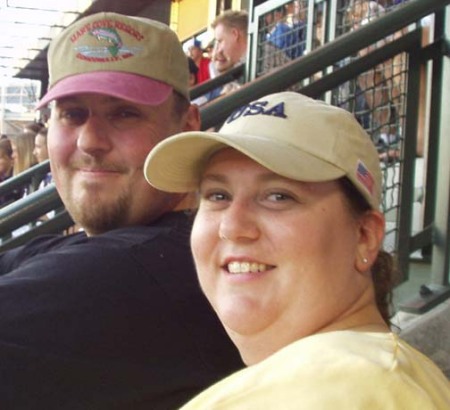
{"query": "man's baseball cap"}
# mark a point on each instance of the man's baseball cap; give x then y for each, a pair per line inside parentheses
(292, 135)
(197, 44)
(133, 58)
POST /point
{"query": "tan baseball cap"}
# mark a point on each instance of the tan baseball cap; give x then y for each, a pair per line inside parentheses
(290, 134)
(133, 58)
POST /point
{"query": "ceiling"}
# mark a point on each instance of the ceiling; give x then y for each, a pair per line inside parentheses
(29, 25)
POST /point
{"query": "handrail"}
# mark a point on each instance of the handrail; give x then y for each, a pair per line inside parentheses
(58, 223)
(24, 177)
(231, 75)
(29, 208)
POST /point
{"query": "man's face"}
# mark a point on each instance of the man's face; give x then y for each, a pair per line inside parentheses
(97, 147)
(227, 51)
(195, 53)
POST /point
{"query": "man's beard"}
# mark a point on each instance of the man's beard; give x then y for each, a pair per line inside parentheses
(97, 218)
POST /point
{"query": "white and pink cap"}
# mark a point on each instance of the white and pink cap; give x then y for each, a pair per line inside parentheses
(133, 58)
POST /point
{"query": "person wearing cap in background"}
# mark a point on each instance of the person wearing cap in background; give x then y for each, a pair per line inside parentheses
(111, 317)
(193, 70)
(287, 245)
(202, 62)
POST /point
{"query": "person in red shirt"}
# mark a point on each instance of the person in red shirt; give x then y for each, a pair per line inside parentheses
(196, 53)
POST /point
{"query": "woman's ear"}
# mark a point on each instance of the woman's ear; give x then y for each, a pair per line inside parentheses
(192, 121)
(371, 234)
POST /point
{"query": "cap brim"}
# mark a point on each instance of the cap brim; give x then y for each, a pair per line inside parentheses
(131, 87)
(176, 163)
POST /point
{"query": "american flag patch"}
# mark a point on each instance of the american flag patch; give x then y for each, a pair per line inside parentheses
(365, 177)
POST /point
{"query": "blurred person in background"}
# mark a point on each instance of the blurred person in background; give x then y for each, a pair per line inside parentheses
(40, 152)
(230, 34)
(40, 146)
(202, 62)
(230, 47)
(193, 70)
(22, 148)
(6, 159)
(6, 170)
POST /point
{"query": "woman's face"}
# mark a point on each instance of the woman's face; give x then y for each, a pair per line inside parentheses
(275, 257)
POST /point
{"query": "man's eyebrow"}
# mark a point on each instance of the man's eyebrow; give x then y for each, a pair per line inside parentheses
(64, 100)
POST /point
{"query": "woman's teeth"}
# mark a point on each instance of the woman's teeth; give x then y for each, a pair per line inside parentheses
(246, 267)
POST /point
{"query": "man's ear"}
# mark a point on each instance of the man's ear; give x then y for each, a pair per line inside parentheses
(236, 33)
(370, 239)
(192, 120)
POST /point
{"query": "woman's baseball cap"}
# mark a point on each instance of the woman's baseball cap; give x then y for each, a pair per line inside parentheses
(292, 135)
(133, 58)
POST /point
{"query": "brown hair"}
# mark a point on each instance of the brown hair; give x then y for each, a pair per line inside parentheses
(5, 146)
(24, 157)
(233, 19)
(180, 105)
(385, 273)
(33, 127)
(43, 132)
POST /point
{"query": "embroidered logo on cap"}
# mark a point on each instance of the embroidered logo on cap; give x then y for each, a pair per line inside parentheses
(258, 108)
(365, 177)
(111, 36)
(110, 46)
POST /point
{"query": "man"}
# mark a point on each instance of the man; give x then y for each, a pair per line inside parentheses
(230, 33)
(112, 317)
(202, 63)
(230, 49)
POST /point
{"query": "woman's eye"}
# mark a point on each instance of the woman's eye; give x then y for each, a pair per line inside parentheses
(216, 196)
(279, 197)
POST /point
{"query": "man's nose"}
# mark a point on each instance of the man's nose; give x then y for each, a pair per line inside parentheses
(93, 136)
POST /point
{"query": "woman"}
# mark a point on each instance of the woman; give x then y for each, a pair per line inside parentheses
(23, 147)
(6, 159)
(287, 243)
(6, 170)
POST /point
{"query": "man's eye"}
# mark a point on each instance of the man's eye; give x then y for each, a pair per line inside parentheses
(124, 118)
(124, 114)
(74, 116)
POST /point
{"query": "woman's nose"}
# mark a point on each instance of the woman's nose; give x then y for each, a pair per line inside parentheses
(239, 223)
